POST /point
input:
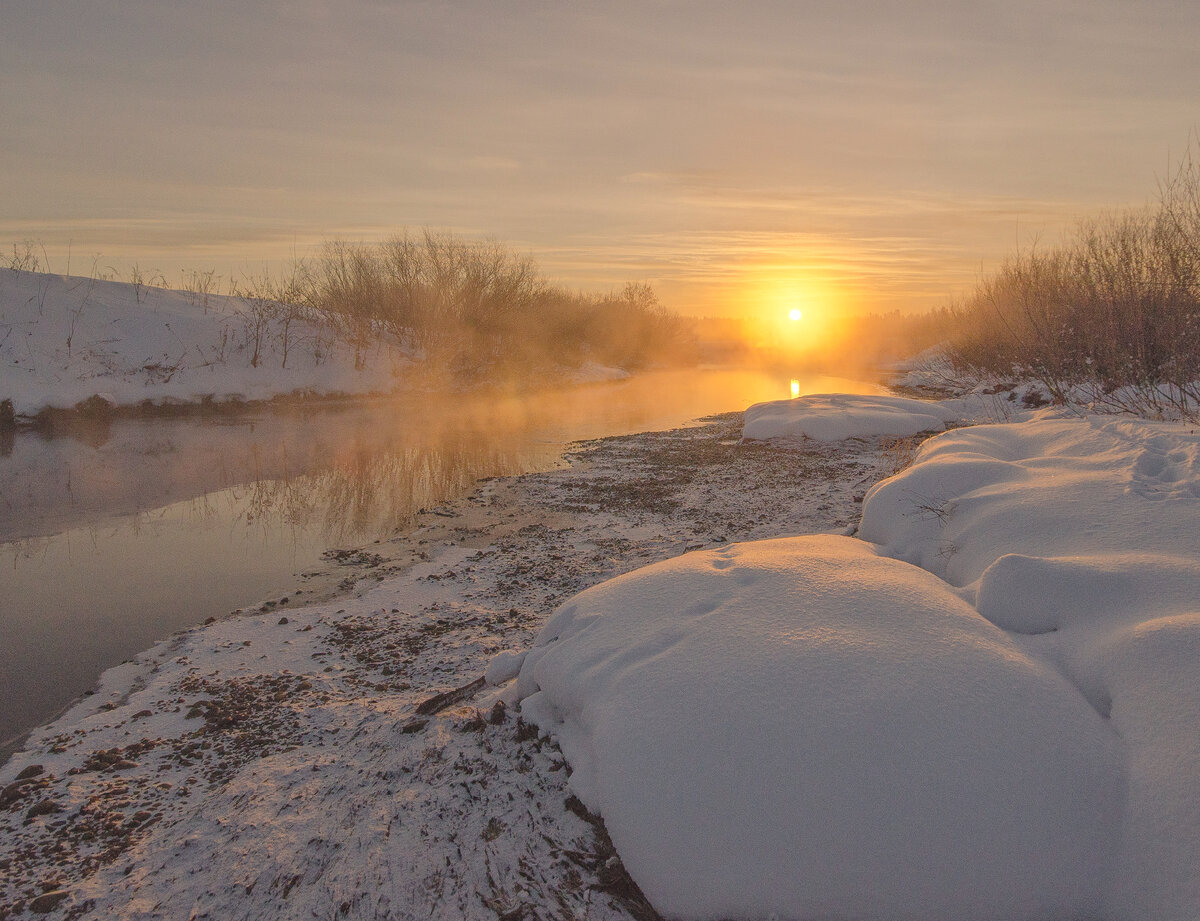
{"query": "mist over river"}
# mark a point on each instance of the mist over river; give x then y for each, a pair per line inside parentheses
(113, 536)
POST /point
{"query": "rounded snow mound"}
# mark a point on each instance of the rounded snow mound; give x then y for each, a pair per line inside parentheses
(835, 416)
(803, 728)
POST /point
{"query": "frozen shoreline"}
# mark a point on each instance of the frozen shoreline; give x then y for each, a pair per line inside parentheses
(212, 736)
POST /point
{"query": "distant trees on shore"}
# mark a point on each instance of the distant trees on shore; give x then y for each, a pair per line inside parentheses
(1113, 312)
(477, 308)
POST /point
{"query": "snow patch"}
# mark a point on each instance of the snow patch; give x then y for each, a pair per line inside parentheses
(504, 667)
(837, 416)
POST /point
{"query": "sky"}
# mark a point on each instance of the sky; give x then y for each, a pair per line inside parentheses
(740, 157)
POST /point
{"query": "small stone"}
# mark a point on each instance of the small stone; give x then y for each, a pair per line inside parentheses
(48, 901)
(283, 620)
(42, 807)
(32, 771)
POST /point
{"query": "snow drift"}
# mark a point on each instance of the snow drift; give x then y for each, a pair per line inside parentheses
(836, 416)
(802, 727)
(986, 707)
(1080, 535)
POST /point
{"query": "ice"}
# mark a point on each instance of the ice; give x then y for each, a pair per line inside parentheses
(802, 727)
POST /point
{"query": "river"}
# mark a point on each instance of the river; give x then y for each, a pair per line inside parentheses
(113, 536)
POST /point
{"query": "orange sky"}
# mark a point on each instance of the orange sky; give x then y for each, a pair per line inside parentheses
(739, 157)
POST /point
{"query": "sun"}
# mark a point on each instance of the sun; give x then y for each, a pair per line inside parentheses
(794, 315)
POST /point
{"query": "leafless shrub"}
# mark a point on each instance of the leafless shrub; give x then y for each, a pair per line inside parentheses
(24, 257)
(476, 308)
(258, 307)
(900, 452)
(200, 286)
(137, 278)
(1111, 316)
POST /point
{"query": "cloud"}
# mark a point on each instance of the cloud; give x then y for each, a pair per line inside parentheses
(890, 149)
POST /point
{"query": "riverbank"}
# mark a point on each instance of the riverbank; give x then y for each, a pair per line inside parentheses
(78, 349)
(276, 763)
(972, 683)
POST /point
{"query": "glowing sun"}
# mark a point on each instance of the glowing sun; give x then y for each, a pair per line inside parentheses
(794, 315)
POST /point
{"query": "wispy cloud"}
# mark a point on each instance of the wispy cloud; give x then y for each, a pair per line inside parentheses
(886, 150)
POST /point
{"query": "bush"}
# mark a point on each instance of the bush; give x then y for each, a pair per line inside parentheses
(477, 309)
(1111, 316)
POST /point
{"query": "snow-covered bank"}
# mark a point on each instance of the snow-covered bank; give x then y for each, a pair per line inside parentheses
(1000, 721)
(1082, 538)
(64, 339)
(802, 728)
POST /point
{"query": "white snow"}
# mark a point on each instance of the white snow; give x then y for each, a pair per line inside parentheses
(985, 706)
(1080, 536)
(65, 338)
(837, 416)
(802, 727)
(504, 667)
(273, 769)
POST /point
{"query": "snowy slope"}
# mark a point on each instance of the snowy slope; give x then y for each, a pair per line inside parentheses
(64, 339)
(985, 707)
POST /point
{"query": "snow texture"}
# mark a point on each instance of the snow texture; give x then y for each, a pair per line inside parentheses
(985, 706)
(837, 416)
(1079, 536)
(258, 769)
(802, 727)
(64, 339)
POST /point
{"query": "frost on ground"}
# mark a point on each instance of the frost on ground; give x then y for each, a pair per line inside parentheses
(305, 763)
(985, 706)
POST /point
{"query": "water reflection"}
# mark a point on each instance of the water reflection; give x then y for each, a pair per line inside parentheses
(124, 532)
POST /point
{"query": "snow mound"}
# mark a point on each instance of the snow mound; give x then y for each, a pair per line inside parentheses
(1047, 488)
(805, 728)
(836, 416)
(1080, 536)
(504, 666)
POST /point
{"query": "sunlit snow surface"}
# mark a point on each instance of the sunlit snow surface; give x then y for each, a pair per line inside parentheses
(64, 338)
(836, 416)
(986, 706)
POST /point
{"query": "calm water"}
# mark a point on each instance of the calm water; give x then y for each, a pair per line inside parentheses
(116, 536)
